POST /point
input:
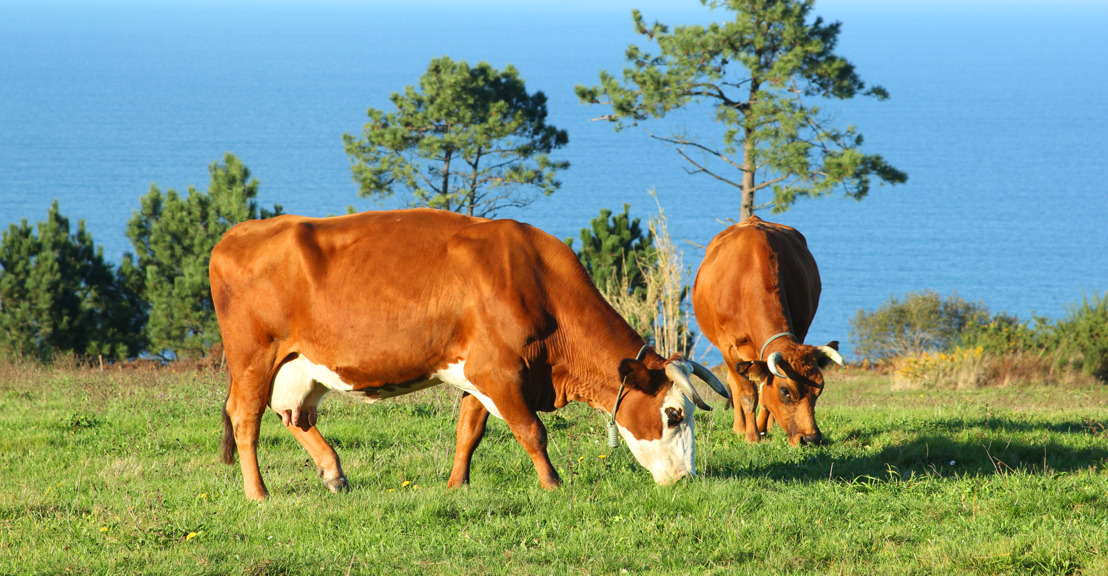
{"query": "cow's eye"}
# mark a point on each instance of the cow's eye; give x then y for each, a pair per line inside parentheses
(786, 395)
(674, 416)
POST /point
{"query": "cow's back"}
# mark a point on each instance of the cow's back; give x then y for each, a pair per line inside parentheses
(360, 292)
(756, 272)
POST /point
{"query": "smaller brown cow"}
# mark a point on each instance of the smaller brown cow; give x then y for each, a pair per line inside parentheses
(754, 297)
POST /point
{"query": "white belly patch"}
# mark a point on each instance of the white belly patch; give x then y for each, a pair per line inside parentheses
(300, 384)
(454, 375)
(297, 389)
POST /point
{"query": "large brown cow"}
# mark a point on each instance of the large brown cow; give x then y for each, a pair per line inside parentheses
(381, 304)
(754, 297)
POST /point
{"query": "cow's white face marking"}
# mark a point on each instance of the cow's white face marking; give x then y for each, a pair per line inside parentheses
(673, 456)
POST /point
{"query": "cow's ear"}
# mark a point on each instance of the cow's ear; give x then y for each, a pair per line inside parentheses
(757, 372)
(635, 374)
(826, 355)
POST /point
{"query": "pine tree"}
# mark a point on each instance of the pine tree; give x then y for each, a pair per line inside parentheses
(615, 249)
(173, 237)
(58, 295)
(639, 272)
(764, 74)
(469, 140)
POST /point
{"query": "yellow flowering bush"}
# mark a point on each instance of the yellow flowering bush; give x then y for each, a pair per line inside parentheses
(959, 368)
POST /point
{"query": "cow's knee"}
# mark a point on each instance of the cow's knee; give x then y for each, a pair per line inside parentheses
(747, 401)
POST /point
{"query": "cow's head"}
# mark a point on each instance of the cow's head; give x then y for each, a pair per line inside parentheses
(790, 382)
(655, 416)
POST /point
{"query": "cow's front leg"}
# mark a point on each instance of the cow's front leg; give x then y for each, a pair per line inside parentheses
(743, 389)
(327, 464)
(531, 434)
(472, 419)
(765, 420)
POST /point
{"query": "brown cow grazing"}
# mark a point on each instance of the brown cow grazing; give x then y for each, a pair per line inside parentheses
(381, 304)
(754, 298)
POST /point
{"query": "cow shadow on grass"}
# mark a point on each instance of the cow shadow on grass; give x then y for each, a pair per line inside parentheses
(958, 447)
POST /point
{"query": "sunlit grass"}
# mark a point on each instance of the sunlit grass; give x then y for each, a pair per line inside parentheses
(118, 473)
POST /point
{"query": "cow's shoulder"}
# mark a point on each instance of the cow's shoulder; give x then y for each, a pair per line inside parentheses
(508, 245)
(531, 275)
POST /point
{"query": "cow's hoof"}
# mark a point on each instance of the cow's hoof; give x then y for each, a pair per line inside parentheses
(337, 485)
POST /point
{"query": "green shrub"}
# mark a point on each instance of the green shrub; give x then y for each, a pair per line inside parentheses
(924, 333)
(641, 274)
(1004, 334)
(921, 322)
(1080, 340)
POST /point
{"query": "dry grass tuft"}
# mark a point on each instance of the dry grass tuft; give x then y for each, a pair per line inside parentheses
(664, 306)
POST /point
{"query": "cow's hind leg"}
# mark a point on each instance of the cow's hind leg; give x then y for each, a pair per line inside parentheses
(295, 398)
(327, 464)
(243, 420)
(472, 419)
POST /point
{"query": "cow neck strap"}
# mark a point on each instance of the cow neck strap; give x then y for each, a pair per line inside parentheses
(771, 339)
(613, 432)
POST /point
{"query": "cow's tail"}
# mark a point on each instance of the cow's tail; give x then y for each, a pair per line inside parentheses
(229, 446)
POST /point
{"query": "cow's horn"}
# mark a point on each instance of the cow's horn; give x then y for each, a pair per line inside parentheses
(831, 354)
(773, 367)
(681, 381)
(710, 379)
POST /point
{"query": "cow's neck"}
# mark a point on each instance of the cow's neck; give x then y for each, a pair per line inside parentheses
(586, 353)
(772, 321)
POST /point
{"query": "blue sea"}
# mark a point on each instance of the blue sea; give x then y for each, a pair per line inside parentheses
(998, 113)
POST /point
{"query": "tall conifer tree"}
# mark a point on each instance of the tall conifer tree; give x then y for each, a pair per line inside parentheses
(59, 295)
(764, 73)
(173, 238)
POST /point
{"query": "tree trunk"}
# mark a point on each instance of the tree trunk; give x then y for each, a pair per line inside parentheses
(446, 178)
(746, 210)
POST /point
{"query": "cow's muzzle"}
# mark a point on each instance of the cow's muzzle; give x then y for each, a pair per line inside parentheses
(812, 440)
(673, 478)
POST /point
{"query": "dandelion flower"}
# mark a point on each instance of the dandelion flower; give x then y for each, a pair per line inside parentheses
(103, 528)
(405, 484)
(190, 536)
(602, 456)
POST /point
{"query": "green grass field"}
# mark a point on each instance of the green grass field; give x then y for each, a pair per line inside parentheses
(119, 473)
